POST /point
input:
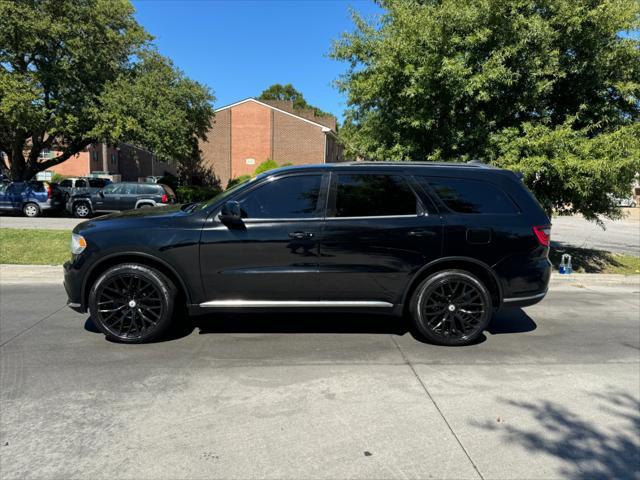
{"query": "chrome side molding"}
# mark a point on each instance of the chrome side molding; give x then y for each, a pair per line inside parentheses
(294, 303)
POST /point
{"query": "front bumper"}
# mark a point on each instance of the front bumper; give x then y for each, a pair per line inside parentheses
(73, 286)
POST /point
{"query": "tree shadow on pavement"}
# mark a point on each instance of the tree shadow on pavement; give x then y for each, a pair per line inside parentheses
(588, 450)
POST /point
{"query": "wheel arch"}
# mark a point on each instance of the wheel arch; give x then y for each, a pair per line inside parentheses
(134, 257)
(480, 269)
(149, 202)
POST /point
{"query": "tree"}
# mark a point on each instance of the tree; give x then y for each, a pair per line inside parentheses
(459, 79)
(76, 72)
(290, 94)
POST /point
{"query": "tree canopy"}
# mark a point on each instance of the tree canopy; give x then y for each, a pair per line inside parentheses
(288, 93)
(548, 87)
(76, 72)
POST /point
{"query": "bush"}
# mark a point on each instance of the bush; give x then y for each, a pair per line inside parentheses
(267, 165)
(235, 181)
(194, 193)
(57, 178)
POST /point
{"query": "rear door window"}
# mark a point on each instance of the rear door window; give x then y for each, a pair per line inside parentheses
(463, 195)
(374, 195)
(147, 189)
(81, 183)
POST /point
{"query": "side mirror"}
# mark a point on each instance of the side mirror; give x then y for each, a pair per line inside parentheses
(230, 214)
(101, 193)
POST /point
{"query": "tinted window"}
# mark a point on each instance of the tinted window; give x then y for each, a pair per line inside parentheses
(97, 182)
(109, 189)
(289, 197)
(81, 183)
(471, 196)
(65, 183)
(371, 195)
(147, 189)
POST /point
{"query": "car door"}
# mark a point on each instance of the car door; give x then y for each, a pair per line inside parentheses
(108, 198)
(379, 231)
(272, 256)
(5, 204)
(128, 196)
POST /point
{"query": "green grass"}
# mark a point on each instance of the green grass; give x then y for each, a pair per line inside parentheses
(34, 247)
(587, 260)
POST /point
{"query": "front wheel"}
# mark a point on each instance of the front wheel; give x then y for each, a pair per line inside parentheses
(451, 307)
(132, 303)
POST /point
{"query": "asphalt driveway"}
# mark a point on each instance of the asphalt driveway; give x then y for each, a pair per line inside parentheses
(550, 392)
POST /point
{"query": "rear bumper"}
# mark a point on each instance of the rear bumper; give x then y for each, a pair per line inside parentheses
(524, 301)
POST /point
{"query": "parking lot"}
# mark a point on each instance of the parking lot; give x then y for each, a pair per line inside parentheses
(550, 392)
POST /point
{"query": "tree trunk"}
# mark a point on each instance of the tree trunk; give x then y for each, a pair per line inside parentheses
(18, 164)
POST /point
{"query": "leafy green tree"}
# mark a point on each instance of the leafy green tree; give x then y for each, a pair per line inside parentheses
(289, 93)
(76, 72)
(463, 79)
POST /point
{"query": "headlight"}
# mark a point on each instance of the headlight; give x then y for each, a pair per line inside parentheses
(78, 244)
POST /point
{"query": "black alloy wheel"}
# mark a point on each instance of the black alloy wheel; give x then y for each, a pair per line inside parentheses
(132, 303)
(451, 307)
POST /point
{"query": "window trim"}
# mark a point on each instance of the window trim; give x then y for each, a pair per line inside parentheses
(321, 207)
(444, 208)
(333, 195)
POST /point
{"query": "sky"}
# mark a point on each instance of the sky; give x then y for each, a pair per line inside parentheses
(239, 48)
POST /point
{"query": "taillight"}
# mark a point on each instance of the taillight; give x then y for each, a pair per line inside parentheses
(164, 199)
(543, 233)
(49, 191)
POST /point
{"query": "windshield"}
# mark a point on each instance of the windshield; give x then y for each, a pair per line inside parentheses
(222, 195)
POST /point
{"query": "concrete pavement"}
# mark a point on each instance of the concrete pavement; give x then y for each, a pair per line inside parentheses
(550, 392)
(621, 236)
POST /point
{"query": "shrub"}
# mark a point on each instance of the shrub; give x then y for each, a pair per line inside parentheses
(193, 193)
(235, 181)
(267, 165)
(57, 178)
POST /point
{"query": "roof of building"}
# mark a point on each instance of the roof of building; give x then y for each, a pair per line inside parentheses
(251, 99)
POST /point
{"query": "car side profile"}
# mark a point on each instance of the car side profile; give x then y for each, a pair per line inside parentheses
(116, 197)
(75, 185)
(445, 244)
(30, 198)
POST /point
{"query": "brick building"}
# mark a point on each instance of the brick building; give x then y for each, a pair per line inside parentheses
(126, 160)
(251, 131)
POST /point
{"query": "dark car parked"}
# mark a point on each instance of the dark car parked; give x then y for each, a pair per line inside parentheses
(116, 197)
(73, 186)
(445, 243)
(30, 198)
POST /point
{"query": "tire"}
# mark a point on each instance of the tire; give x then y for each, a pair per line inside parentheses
(81, 210)
(132, 303)
(31, 210)
(451, 307)
(66, 197)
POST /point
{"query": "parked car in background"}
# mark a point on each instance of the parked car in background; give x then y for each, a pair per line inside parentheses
(116, 197)
(444, 244)
(74, 185)
(30, 198)
(625, 202)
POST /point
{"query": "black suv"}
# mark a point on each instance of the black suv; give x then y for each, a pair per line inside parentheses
(116, 197)
(445, 243)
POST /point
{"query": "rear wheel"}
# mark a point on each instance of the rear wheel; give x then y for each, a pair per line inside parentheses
(132, 303)
(451, 307)
(31, 210)
(82, 210)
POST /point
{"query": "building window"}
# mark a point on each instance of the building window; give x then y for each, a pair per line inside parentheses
(113, 159)
(94, 156)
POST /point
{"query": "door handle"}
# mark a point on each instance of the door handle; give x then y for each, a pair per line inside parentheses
(421, 233)
(300, 235)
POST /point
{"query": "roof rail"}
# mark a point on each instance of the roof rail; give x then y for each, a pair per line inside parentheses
(470, 164)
